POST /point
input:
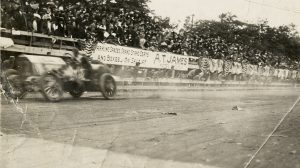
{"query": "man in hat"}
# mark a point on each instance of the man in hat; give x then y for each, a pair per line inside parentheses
(112, 39)
(36, 22)
(171, 72)
(79, 59)
(60, 31)
(142, 41)
(85, 63)
(46, 23)
(135, 72)
(163, 46)
(70, 26)
(20, 20)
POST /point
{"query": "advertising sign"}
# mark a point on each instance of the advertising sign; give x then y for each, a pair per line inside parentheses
(118, 55)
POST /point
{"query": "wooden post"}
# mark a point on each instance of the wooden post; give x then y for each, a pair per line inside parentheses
(30, 43)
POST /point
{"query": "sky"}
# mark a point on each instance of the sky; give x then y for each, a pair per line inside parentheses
(277, 12)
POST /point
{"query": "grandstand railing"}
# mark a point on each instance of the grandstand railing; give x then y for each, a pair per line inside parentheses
(40, 40)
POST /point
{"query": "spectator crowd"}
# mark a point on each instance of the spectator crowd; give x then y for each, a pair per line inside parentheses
(130, 23)
(104, 20)
(213, 70)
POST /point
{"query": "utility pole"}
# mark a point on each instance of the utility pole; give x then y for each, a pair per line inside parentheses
(192, 20)
(191, 30)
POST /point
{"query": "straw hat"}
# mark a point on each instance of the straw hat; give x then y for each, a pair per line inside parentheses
(36, 15)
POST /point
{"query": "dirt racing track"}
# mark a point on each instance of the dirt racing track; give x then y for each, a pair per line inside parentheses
(158, 129)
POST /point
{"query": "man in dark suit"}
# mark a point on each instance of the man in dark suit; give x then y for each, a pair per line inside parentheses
(20, 21)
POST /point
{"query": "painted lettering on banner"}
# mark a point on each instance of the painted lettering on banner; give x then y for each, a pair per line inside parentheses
(118, 55)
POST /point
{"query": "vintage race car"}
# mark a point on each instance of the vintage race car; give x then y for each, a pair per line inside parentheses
(50, 76)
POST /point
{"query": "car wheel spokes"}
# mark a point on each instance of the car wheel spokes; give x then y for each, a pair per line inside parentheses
(51, 87)
(109, 87)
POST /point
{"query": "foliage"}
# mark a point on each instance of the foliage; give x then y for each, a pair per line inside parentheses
(256, 43)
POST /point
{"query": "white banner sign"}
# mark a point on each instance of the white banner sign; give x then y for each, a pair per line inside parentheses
(118, 55)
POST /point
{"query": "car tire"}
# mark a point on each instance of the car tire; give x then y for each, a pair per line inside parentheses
(14, 87)
(108, 86)
(51, 88)
(76, 91)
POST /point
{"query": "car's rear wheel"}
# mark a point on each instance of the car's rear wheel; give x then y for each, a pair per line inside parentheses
(51, 88)
(108, 86)
(14, 87)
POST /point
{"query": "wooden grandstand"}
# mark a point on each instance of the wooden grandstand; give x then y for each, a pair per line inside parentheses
(38, 44)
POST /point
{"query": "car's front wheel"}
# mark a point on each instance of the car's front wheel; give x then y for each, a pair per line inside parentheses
(108, 86)
(51, 87)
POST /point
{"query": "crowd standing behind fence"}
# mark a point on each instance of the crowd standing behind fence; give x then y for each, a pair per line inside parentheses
(129, 23)
(246, 72)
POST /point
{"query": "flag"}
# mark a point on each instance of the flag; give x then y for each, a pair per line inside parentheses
(88, 47)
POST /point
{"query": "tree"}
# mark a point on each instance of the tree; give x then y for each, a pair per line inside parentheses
(253, 42)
